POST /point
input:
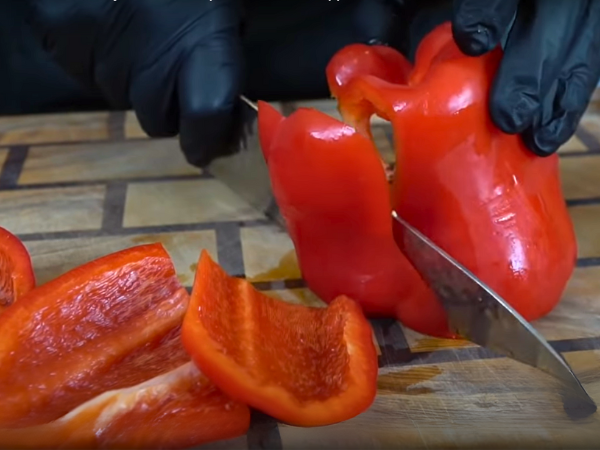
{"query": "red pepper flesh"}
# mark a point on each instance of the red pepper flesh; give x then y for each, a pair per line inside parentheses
(16, 272)
(176, 410)
(94, 359)
(475, 191)
(330, 185)
(377, 60)
(108, 324)
(303, 366)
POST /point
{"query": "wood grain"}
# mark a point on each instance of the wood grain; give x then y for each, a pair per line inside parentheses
(269, 254)
(105, 161)
(586, 219)
(187, 201)
(473, 404)
(47, 210)
(580, 177)
(50, 128)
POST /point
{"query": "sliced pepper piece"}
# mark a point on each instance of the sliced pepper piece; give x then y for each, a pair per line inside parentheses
(475, 191)
(16, 272)
(109, 324)
(331, 188)
(303, 366)
(178, 409)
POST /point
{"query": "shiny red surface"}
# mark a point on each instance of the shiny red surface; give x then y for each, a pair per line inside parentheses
(475, 191)
(108, 324)
(180, 409)
(331, 188)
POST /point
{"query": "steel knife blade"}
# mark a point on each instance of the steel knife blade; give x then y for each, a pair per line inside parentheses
(480, 315)
(245, 172)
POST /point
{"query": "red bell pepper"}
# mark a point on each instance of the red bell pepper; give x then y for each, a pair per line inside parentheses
(94, 359)
(176, 410)
(331, 188)
(475, 191)
(301, 365)
(104, 325)
(377, 60)
(16, 272)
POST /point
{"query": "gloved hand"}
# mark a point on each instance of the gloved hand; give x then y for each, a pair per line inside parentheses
(550, 67)
(177, 63)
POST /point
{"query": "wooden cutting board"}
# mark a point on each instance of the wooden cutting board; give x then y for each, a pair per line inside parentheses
(78, 186)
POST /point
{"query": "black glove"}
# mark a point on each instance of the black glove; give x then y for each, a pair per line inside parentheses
(550, 68)
(177, 63)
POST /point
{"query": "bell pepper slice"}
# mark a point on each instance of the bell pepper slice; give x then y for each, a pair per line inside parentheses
(176, 410)
(331, 188)
(303, 366)
(109, 324)
(16, 272)
(475, 191)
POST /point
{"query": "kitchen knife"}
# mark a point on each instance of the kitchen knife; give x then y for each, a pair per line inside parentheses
(479, 315)
(245, 172)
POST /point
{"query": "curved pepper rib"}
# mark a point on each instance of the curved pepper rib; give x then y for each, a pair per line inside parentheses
(16, 272)
(331, 188)
(108, 324)
(176, 410)
(301, 365)
(475, 191)
(379, 61)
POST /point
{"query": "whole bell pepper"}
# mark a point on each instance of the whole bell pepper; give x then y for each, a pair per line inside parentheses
(475, 191)
(331, 188)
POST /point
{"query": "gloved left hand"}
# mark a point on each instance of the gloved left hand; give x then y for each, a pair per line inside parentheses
(550, 67)
(177, 63)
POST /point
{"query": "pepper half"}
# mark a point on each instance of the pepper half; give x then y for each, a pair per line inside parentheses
(303, 366)
(331, 188)
(475, 191)
(16, 272)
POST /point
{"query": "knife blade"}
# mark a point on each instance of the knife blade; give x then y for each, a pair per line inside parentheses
(480, 315)
(245, 172)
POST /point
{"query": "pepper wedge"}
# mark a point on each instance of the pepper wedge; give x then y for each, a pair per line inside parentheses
(176, 410)
(303, 366)
(16, 272)
(340, 220)
(109, 324)
(480, 194)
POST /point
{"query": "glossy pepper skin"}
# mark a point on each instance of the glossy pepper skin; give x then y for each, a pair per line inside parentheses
(330, 185)
(304, 366)
(16, 272)
(179, 409)
(93, 359)
(107, 324)
(477, 192)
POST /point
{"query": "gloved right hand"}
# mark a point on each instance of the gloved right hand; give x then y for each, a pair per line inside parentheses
(550, 67)
(177, 63)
